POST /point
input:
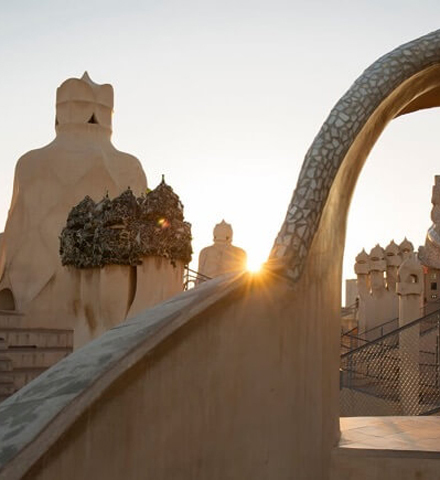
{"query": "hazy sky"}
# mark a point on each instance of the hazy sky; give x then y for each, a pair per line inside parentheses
(224, 98)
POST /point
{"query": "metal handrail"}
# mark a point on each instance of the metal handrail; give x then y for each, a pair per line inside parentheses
(379, 326)
(359, 335)
(422, 309)
(393, 332)
(198, 274)
(192, 276)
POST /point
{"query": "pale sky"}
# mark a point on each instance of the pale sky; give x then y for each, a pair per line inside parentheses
(224, 98)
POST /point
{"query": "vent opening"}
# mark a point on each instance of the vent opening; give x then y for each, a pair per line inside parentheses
(93, 120)
(7, 301)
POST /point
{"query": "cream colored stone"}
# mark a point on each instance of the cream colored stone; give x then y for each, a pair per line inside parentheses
(103, 298)
(405, 249)
(207, 388)
(393, 261)
(221, 257)
(156, 280)
(48, 182)
(362, 263)
(410, 279)
(377, 302)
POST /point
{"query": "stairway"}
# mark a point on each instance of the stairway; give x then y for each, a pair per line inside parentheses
(26, 352)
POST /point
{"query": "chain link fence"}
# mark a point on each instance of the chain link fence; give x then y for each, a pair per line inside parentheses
(396, 374)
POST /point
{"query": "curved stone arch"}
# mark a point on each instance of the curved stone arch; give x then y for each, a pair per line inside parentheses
(405, 80)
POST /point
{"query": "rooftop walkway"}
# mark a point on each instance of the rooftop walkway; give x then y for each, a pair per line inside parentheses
(373, 448)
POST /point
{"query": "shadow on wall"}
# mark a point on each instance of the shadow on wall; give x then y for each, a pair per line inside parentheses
(7, 301)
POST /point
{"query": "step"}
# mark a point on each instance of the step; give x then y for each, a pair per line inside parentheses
(10, 319)
(31, 357)
(39, 337)
(5, 363)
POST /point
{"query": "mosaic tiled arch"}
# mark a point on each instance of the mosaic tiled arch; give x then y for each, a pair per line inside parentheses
(338, 133)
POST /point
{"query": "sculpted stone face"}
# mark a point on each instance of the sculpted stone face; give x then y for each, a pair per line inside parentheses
(362, 266)
(223, 233)
(393, 261)
(377, 259)
(406, 248)
(48, 182)
(410, 277)
(82, 101)
(392, 255)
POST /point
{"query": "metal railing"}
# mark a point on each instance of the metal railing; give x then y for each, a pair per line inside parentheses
(395, 374)
(353, 338)
(191, 278)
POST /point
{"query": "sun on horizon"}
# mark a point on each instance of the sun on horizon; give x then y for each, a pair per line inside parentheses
(254, 263)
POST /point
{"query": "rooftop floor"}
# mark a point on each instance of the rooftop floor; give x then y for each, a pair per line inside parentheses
(421, 434)
(387, 448)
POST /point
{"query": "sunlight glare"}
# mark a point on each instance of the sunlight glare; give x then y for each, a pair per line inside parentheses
(254, 265)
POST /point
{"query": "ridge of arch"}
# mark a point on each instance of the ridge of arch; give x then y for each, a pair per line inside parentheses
(402, 81)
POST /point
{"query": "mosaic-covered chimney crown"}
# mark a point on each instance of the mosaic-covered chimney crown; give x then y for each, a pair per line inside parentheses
(124, 230)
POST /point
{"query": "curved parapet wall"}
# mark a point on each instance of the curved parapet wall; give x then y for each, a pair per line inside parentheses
(215, 383)
(404, 80)
(36, 417)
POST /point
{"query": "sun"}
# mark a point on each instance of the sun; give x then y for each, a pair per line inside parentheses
(254, 265)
